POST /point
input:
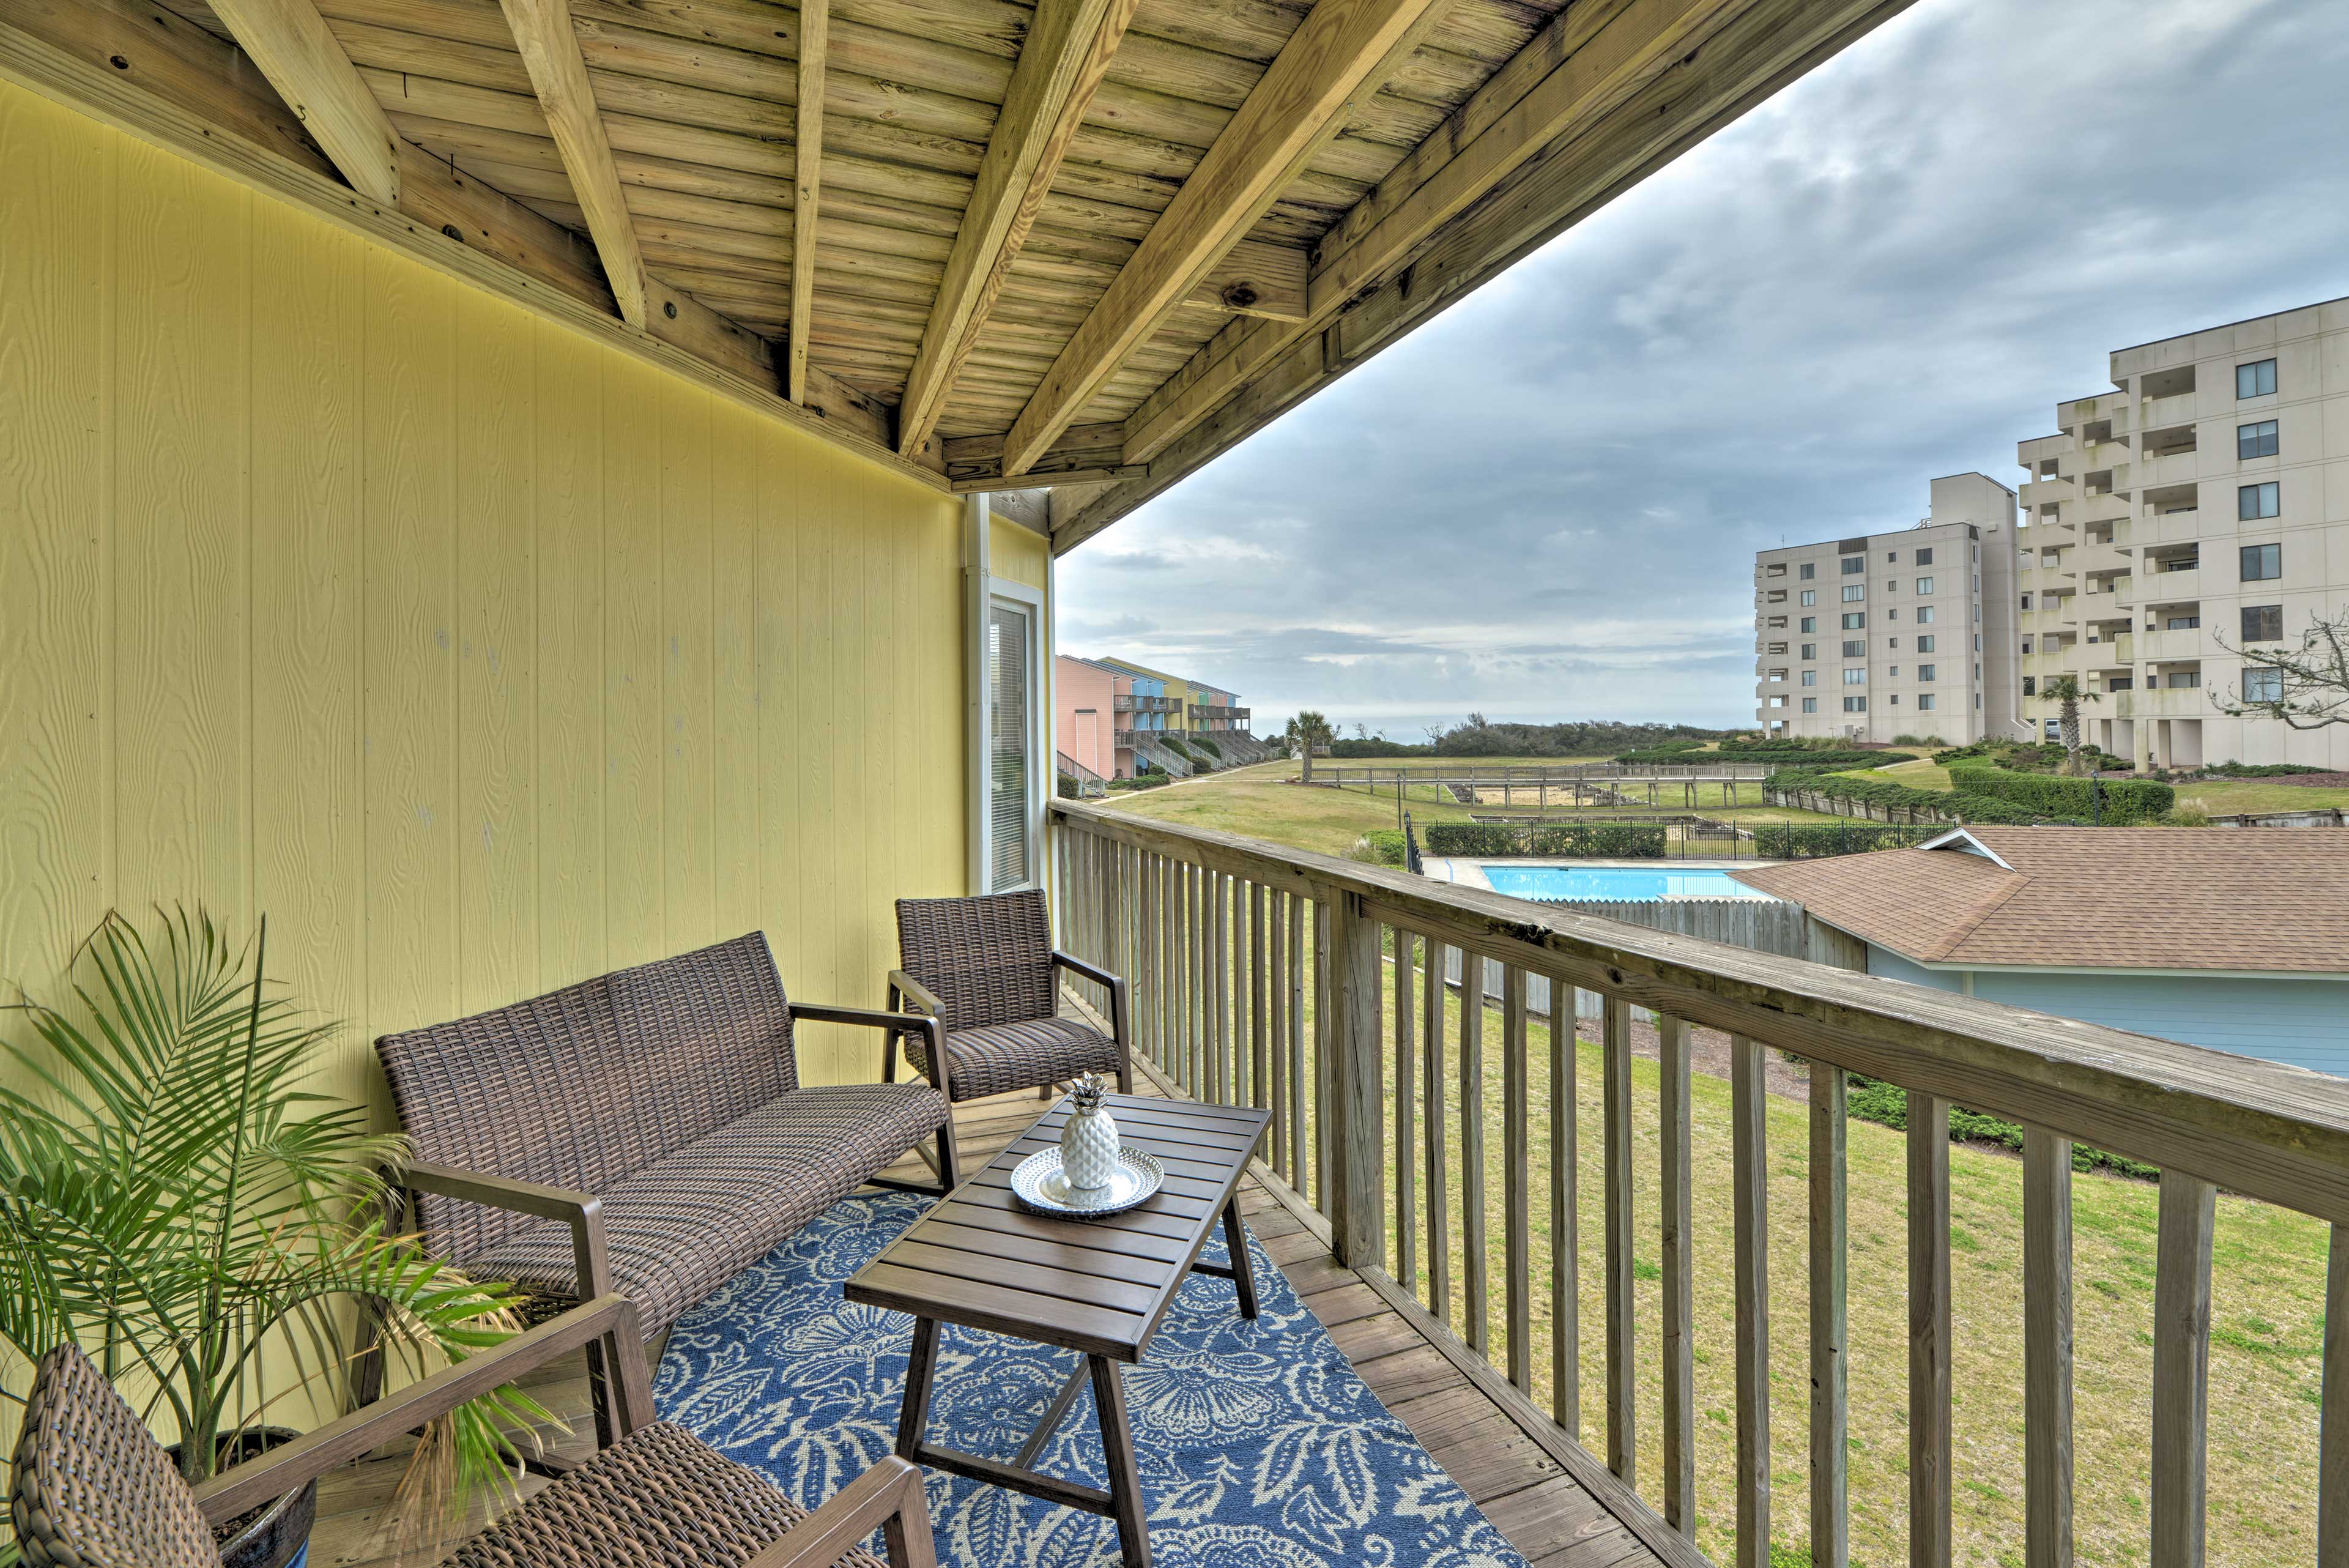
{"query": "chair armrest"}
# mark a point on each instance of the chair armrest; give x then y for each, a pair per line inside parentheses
(888, 1498)
(925, 1025)
(610, 1319)
(914, 991)
(583, 1210)
(1120, 1030)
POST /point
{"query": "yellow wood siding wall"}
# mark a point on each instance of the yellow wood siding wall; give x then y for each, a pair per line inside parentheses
(480, 656)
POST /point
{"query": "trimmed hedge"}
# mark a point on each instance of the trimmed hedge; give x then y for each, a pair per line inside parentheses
(1885, 792)
(1143, 781)
(2124, 800)
(2040, 757)
(1378, 846)
(1609, 840)
(1793, 756)
(1875, 1101)
(1819, 840)
(2261, 770)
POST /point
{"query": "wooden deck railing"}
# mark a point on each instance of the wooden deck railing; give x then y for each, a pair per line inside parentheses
(1261, 975)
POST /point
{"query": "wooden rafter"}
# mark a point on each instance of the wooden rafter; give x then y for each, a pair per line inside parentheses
(1753, 52)
(1585, 64)
(296, 51)
(550, 53)
(1343, 48)
(1067, 53)
(815, 32)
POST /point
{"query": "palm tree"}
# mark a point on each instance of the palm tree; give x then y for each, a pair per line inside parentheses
(1306, 731)
(2066, 693)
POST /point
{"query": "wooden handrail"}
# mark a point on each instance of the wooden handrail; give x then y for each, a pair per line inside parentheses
(1219, 938)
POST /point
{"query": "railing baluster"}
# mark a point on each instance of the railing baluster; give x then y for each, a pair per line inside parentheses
(2047, 1349)
(1325, 1014)
(1622, 1369)
(1439, 1202)
(1477, 1305)
(1679, 1278)
(1406, 1139)
(1518, 1238)
(1219, 985)
(1153, 991)
(2181, 1367)
(1259, 1025)
(1564, 1219)
(1830, 1325)
(1296, 1046)
(1354, 1113)
(1187, 994)
(1750, 1179)
(1929, 1332)
(1276, 993)
(2333, 1430)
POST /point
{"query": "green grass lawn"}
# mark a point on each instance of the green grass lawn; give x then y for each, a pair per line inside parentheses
(2217, 798)
(1258, 803)
(2265, 1355)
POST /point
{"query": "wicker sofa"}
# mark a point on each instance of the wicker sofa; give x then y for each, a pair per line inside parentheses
(644, 1132)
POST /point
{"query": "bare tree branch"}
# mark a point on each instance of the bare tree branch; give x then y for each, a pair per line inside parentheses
(2305, 684)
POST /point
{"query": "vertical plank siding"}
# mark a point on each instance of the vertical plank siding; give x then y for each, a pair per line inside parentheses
(480, 657)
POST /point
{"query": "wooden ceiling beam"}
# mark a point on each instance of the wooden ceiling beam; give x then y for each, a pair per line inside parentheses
(1762, 46)
(815, 32)
(1066, 55)
(550, 53)
(298, 54)
(1343, 50)
(1585, 62)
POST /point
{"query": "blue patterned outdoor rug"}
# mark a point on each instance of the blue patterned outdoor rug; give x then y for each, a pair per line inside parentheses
(1257, 1445)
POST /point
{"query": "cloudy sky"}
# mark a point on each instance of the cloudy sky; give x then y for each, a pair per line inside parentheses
(1544, 504)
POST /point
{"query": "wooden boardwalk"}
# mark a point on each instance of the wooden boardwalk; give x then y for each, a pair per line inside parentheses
(1548, 1513)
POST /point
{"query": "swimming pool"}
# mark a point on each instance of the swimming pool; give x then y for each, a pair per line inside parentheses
(1639, 884)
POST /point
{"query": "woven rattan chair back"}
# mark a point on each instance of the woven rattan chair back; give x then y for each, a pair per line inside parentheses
(989, 959)
(586, 1086)
(92, 1489)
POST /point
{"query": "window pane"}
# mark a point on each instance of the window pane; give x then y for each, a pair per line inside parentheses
(1924, 557)
(1854, 564)
(1007, 774)
(2257, 500)
(2261, 562)
(1852, 591)
(2256, 440)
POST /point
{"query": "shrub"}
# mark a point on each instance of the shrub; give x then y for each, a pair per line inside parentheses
(1875, 1101)
(2260, 770)
(1797, 757)
(1607, 840)
(1378, 846)
(1066, 787)
(1918, 741)
(1818, 840)
(1379, 748)
(1208, 746)
(2185, 816)
(2113, 801)
(1141, 781)
(2027, 758)
(1889, 794)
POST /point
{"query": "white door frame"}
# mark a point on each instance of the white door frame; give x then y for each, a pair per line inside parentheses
(982, 592)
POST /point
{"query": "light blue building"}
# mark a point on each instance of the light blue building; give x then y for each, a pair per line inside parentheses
(2236, 939)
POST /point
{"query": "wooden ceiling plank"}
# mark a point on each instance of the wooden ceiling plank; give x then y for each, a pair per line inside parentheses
(144, 69)
(296, 51)
(815, 23)
(1301, 100)
(550, 53)
(1069, 48)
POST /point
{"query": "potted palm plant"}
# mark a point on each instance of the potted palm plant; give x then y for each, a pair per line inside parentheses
(177, 1199)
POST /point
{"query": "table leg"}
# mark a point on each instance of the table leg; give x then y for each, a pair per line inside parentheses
(1117, 1448)
(1243, 1269)
(919, 1373)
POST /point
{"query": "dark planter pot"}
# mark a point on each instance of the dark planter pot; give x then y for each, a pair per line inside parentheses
(276, 1534)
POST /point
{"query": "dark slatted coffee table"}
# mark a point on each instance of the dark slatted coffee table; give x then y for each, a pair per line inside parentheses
(982, 1259)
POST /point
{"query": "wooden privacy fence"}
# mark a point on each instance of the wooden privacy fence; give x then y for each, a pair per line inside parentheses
(1275, 978)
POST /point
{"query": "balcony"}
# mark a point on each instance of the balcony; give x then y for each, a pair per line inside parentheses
(2153, 586)
(1420, 1140)
(2185, 642)
(2165, 703)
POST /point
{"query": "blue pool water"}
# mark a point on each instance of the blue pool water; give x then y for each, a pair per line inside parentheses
(1634, 883)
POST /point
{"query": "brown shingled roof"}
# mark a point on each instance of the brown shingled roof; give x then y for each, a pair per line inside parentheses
(2093, 897)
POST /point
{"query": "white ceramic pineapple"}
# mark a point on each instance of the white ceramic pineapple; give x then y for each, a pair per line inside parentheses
(1088, 1139)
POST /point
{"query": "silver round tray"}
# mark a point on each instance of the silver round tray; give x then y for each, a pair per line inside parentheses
(1036, 1181)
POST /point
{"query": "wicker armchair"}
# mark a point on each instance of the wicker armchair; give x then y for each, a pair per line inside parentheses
(985, 971)
(93, 1490)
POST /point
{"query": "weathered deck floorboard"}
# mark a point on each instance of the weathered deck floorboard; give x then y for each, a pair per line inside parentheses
(1544, 1512)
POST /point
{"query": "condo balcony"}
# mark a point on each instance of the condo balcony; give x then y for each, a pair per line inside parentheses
(2164, 702)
